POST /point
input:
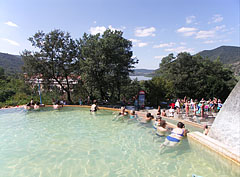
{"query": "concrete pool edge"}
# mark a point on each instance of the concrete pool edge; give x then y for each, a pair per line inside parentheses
(215, 146)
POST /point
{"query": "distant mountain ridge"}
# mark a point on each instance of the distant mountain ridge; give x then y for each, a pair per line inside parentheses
(142, 72)
(226, 54)
(11, 63)
(229, 55)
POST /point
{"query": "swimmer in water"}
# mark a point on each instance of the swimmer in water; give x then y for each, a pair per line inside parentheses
(162, 130)
(176, 135)
(121, 114)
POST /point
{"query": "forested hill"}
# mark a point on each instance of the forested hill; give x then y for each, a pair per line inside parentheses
(226, 54)
(229, 55)
(10, 63)
(13, 64)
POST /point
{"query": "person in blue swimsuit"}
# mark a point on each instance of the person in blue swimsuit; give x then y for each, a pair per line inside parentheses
(133, 115)
(176, 135)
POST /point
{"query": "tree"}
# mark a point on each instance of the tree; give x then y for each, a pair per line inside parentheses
(54, 62)
(2, 73)
(196, 77)
(157, 90)
(106, 63)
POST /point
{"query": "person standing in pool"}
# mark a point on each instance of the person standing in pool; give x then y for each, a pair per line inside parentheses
(147, 118)
(36, 106)
(32, 102)
(133, 115)
(94, 106)
(156, 123)
(161, 130)
(176, 135)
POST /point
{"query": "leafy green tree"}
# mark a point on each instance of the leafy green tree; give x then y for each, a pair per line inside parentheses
(196, 77)
(106, 63)
(131, 90)
(2, 73)
(157, 90)
(55, 60)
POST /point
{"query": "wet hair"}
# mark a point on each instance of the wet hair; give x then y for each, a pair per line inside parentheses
(162, 123)
(158, 113)
(29, 104)
(206, 126)
(132, 112)
(180, 125)
(37, 103)
(149, 115)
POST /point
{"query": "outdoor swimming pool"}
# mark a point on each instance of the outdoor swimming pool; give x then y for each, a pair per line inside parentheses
(73, 142)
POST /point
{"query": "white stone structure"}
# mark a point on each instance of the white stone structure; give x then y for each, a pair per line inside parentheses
(226, 126)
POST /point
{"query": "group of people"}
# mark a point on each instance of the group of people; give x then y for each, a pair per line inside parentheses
(57, 104)
(173, 134)
(32, 105)
(36, 105)
(161, 128)
(197, 107)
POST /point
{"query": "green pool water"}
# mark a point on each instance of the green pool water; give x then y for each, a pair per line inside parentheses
(72, 142)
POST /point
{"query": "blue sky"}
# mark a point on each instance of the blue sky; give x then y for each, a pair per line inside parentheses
(156, 27)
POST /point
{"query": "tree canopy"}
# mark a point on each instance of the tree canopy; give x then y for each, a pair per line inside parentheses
(196, 77)
(106, 63)
(100, 63)
(55, 61)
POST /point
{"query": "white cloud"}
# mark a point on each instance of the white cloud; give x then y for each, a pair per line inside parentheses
(180, 49)
(164, 45)
(216, 18)
(183, 43)
(215, 41)
(134, 40)
(159, 57)
(95, 22)
(222, 27)
(101, 29)
(11, 42)
(142, 44)
(187, 31)
(144, 32)
(205, 34)
(209, 42)
(9, 23)
(190, 19)
(138, 43)
(97, 29)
